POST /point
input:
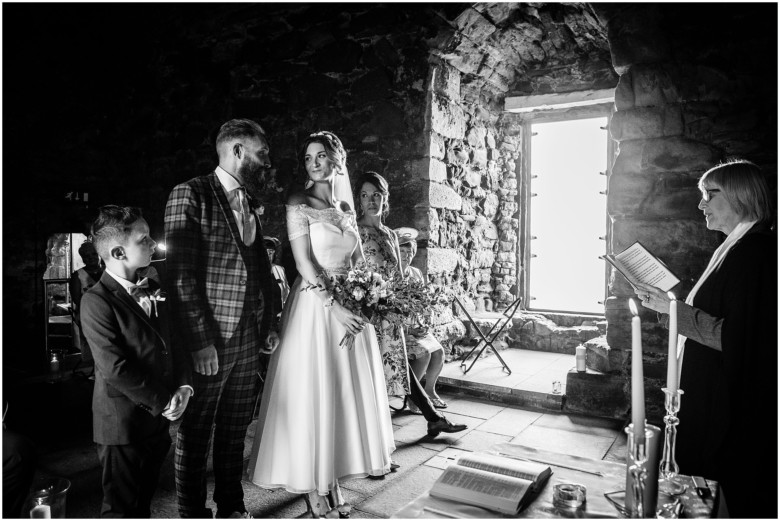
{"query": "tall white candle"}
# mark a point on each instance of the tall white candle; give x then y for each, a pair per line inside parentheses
(637, 374)
(671, 372)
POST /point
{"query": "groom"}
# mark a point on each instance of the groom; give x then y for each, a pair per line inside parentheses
(223, 305)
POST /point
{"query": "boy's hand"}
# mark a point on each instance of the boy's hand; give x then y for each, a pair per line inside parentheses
(205, 361)
(178, 404)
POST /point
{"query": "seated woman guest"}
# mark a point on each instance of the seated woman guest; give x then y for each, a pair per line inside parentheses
(382, 255)
(426, 354)
(728, 346)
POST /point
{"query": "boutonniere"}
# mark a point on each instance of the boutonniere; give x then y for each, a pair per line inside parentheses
(259, 210)
(157, 296)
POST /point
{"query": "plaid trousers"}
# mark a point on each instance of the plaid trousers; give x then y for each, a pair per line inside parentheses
(224, 402)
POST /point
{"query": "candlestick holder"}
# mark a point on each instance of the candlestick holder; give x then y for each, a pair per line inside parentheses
(637, 456)
(668, 468)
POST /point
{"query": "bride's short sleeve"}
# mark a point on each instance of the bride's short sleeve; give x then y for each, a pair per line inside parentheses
(297, 222)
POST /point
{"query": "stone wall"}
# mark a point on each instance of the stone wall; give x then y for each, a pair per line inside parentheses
(688, 97)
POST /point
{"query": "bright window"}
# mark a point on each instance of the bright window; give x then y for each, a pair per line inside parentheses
(567, 216)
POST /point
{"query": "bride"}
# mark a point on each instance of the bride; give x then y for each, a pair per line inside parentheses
(324, 415)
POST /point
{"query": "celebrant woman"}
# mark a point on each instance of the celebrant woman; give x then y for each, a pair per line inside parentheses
(324, 415)
(728, 346)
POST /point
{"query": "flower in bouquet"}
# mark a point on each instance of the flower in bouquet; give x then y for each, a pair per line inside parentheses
(361, 291)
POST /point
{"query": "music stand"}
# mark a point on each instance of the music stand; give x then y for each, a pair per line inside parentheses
(508, 313)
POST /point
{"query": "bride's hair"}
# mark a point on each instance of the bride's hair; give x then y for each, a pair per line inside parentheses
(380, 183)
(334, 150)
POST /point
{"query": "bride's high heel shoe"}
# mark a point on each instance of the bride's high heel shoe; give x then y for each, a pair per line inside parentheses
(323, 506)
(341, 508)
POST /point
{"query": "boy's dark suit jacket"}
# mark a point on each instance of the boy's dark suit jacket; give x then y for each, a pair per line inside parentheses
(136, 367)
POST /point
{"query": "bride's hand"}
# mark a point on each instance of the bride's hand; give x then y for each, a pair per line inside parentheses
(351, 321)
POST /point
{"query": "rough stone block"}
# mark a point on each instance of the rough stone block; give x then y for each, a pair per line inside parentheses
(436, 148)
(655, 337)
(624, 93)
(448, 119)
(439, 260)
(473, 25)
(479, 157)
(667, 196)
(597, 394)
(445, 81)
(436, 170)
(442, 196)
(653, 86)
(671, 154)
(599, 356)
(646, 123)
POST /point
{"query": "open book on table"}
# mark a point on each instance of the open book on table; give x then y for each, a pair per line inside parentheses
(492, 482)
(637, 264)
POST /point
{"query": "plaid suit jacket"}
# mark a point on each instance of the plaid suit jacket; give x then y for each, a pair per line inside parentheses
(206, 272)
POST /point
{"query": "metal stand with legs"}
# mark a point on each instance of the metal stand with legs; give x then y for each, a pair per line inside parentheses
(496, 330)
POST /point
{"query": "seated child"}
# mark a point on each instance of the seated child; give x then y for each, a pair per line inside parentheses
(141, 379)
(426, 354)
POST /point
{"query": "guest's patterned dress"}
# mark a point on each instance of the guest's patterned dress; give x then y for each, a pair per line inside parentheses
(380, 249)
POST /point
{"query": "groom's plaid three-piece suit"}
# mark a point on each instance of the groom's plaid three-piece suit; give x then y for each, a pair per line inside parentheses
(222, 294)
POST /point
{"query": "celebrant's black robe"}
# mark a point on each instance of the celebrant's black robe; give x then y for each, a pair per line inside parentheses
(728, 414)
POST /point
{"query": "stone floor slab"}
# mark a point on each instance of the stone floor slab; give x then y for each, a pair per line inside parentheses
(580, 423)
(480, 441)
(480, 409)
(443, 459)
(392, 498)
(510, 421)
(565, 442)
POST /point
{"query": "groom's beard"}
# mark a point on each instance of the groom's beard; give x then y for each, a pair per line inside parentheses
(253, 176)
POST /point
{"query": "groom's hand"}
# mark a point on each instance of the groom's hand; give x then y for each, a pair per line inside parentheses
(271, 342)
(205, 361)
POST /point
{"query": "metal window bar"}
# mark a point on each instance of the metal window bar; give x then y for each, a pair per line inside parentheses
(508, 313)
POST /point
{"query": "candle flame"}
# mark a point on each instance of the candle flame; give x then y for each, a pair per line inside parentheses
(671, 296)
(632, 306)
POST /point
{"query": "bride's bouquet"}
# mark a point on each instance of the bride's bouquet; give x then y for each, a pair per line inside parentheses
(362, 292)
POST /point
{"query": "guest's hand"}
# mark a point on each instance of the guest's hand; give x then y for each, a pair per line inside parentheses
(178, 404)
(271, 343)
(652, 297)
(205, 361)
(351, 321)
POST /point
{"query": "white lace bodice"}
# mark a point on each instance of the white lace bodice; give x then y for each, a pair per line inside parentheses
(333, 234)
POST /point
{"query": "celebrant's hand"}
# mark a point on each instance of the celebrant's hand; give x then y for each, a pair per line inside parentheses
(351, 321)
(205, 361)
(652, 297)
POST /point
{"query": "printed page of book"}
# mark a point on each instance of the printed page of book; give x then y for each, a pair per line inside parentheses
(501, 465)
(482, 488)
(641, 265)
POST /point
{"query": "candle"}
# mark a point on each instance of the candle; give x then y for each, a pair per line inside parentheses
(41, 512)
(637, 376)
(671, 372)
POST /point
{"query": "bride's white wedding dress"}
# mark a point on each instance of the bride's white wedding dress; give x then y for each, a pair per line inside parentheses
(324, 415)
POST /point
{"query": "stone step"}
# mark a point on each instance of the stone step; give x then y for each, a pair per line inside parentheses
(530, 384)
(557, 333)
(594, 393)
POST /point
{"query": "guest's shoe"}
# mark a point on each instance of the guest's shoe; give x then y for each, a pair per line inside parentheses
(444, 425)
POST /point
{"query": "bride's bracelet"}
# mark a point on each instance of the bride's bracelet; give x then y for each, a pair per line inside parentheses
(329, 301)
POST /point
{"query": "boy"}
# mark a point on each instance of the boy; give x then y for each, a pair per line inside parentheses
(141, 382)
